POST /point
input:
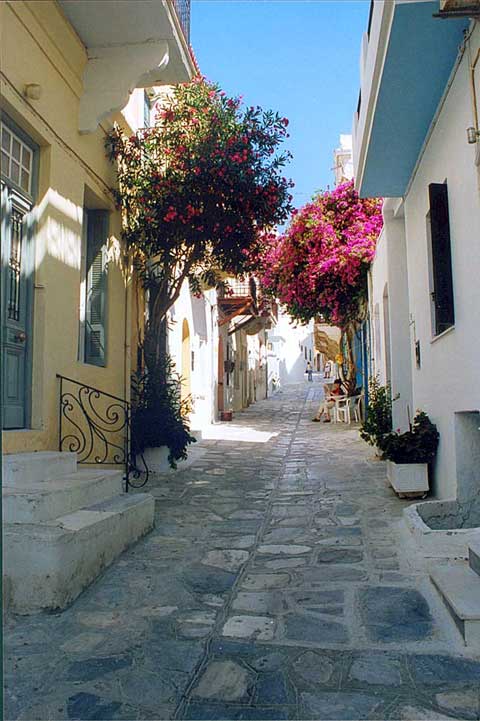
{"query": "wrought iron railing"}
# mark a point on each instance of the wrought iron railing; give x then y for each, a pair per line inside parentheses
(182, 8)
(243, 288)
(97, 427)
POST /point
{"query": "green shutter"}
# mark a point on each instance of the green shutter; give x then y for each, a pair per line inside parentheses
(96, 287)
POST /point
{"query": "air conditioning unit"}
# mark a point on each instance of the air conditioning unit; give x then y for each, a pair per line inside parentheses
(469, 8)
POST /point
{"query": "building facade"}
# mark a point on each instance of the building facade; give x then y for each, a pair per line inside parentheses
(420, 90)
(67, 72)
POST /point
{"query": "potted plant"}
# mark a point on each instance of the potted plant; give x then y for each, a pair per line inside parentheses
(160, 432)
(378, 416)
(409, 455)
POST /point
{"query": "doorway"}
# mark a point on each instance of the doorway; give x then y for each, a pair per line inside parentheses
(17, 306)
(220, 386)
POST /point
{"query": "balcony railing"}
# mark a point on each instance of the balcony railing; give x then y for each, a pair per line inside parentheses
(182, 8)
(243, 288)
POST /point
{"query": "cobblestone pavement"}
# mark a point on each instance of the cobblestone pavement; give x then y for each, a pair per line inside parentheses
(275, 585)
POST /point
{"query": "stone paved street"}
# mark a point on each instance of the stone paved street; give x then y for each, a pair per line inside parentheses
(276, 585)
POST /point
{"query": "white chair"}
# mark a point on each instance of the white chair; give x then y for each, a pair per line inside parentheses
(344, 405)
(341, 410)
(358, 407)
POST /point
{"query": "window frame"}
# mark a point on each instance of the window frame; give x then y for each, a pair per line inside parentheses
(83, 354)
(13, 128)
(434, 238)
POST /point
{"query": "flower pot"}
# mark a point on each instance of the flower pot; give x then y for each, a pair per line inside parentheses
(226, 415)
(156, 459)
(408, 478)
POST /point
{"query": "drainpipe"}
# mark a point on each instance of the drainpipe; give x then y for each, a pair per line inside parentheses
(474, 91)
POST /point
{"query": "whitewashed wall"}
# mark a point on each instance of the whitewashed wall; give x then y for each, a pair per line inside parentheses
(377, 282)
(391, 349)
(201, 316)
(287, 343)
(447, 383)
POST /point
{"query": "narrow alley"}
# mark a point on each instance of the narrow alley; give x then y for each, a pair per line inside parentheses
(277, 584)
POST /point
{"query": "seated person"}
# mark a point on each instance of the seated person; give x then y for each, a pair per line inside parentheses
(329, 401)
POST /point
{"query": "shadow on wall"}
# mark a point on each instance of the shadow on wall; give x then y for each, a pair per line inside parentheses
(57, 325)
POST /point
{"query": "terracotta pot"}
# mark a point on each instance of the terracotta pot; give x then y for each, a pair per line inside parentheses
(226, 415)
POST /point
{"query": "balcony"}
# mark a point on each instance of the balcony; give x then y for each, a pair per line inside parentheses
(239, 297)
(406, 60)
(129, 44)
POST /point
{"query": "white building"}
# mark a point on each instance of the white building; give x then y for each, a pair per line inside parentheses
(290, 347)
(343, 160)
(420, 91)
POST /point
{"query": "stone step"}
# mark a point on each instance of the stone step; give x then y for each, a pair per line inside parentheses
(474, 556)
(44, 500)
(48, 565)
(24, 468)
(459, 588)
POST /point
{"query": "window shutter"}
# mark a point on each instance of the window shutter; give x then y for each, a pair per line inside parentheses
(441, 257)
(96, 287)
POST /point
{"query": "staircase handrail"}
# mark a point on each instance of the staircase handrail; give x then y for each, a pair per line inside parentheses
(93, 433)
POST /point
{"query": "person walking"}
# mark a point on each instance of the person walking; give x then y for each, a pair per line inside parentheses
(309, 371)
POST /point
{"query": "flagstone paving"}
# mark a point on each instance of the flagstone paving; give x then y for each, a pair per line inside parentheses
(276, 585)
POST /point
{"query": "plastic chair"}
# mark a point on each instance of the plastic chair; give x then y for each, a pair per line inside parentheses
(358, 407)
(341, 410)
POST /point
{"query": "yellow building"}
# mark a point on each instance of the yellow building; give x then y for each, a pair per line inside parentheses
(67, 71)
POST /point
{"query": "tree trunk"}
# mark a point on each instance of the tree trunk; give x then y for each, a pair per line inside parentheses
(348, 335)
(155, 345)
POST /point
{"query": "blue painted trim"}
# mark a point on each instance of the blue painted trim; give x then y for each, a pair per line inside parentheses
(421, 53)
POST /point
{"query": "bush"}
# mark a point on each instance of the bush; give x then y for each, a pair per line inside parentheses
(378, 416)
(418, 445)
(159, 415)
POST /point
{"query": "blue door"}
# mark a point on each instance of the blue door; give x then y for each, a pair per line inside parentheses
(17, 278)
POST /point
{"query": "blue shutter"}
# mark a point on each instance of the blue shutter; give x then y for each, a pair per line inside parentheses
(96, 287)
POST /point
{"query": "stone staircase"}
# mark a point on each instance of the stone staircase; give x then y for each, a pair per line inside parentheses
(62, 526)
(459, 587)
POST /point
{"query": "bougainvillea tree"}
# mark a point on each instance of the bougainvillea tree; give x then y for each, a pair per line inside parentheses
(195, 191)
(319, 266)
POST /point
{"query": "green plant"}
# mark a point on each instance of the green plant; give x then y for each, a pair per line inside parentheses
(418, 445)
(195, 191)
(378, 417)
(159, 414)
(320, 264)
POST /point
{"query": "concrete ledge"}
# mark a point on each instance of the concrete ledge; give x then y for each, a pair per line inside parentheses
(42, 501)
(21, 468)
(459, 588)
(49, 564)
(474, 556)
(438, 543)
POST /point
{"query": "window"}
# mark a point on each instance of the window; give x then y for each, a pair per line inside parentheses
(17, 160)
(146, 109)
(95, 285)
(441, 294)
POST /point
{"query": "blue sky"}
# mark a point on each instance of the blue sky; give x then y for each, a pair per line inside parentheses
(298, 57)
